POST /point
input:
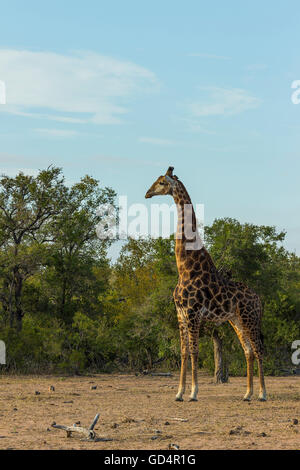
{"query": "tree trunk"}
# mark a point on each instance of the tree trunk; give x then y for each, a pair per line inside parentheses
(221, 375)
(5, 301)
(149, 359)
(18, 304)
(10, 305)
(11, 319)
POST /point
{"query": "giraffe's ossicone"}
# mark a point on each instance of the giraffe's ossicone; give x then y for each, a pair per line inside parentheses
(204, 294)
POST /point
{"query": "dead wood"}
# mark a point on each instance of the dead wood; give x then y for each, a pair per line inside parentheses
(89, 433)
(182, 420)
(161, 374)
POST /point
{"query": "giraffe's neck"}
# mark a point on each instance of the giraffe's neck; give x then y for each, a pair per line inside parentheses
(189, 246)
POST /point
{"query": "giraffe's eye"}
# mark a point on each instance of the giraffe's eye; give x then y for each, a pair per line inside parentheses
(162, 183)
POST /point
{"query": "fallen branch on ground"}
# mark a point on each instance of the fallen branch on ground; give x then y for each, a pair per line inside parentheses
(89, 433)
(161, 374)
(183, 420)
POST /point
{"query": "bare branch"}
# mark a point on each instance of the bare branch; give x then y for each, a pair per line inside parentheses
(88, 433)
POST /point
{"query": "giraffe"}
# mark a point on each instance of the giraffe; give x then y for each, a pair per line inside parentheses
(204, 294)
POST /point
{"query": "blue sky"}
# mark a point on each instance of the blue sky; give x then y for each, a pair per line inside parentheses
(121, 90)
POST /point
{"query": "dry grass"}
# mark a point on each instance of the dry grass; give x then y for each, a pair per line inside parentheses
(134, 411)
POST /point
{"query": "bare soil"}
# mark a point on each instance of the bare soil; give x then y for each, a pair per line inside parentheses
(138, 412)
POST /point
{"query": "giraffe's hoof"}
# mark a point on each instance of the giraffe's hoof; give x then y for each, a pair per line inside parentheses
(247, 399)
(193, 399)
(178, 399)
(262, 396)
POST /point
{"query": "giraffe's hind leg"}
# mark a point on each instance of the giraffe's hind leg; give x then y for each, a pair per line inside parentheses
(184, 346)
(258, 348)
(250, 359)
(252, 339)
(249, 355)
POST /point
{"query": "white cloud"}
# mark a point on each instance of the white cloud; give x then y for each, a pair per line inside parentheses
(12, 172)
(79, 88)
(116, 162)
(223, 101)
(56, 133)
(195, 126)
(155, 141)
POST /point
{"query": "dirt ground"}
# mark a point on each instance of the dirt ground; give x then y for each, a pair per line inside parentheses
(139, 412)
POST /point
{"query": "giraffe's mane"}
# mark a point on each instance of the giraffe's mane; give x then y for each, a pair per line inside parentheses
(181, 184)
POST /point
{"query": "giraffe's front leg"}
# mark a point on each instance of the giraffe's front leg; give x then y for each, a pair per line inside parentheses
(181, 388)
(184, 345)
(194, 351)
(194, 392)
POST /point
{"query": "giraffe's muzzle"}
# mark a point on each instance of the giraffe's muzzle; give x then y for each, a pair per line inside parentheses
(149, 194)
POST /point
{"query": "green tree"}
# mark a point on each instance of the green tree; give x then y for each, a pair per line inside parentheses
(27, 205)
(251, 253)
(77, 267)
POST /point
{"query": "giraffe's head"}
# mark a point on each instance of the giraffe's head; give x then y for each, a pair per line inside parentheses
(163, 185)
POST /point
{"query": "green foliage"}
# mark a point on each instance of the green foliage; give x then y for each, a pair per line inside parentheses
(64, 308)
(250, 252)
(280, 329)
(36, 348)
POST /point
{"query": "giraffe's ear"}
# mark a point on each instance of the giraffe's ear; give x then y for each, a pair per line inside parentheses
(170, 171)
